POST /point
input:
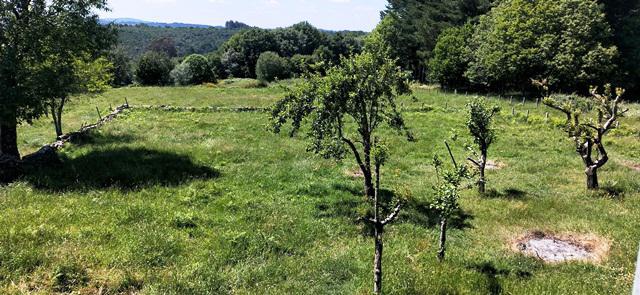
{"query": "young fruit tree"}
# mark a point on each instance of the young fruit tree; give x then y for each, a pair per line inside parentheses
(346, 108)
(479, 124)
(588, 132)
(447, 195)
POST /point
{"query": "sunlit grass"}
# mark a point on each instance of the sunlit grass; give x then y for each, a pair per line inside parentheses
(197, 202)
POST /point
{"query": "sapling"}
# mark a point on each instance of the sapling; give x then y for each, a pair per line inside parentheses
(589, 120)
(447, 195)
(346, 108)
(480, 119)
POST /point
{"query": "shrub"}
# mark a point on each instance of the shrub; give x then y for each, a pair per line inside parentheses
(271, 67)
(154, 69)
(194, 70)
(564, 41)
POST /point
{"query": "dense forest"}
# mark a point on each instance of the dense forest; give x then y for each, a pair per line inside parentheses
(135, 40)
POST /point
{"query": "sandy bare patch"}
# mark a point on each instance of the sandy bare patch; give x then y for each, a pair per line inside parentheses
(632, 165)
(354, 173)
(552, 248)
(495, 165)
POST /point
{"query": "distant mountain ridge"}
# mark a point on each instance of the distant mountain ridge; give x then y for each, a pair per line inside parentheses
(135, 22)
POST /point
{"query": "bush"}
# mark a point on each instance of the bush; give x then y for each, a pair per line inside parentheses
(271, 67)
(563, 41)
(154, 69)
(451, 57)
(194, 70)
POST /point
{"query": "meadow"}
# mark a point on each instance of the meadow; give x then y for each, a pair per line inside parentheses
(209, 201)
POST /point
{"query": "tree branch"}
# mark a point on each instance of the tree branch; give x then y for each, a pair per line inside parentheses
(354, 149)
(394, 215)
(474, 162)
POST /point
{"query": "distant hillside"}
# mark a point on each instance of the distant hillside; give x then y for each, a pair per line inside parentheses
(136, 35)
(136, 39)
(135, 22)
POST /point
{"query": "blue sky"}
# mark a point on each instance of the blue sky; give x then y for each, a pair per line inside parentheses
(326, 14)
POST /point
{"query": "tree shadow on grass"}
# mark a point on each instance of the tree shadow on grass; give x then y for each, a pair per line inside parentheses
(101, 139)
(492, 273)
(509, 194)
(353, 205)
(123, 168)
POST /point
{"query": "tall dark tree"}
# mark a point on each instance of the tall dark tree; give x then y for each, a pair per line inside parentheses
(411, 27)
(624, 18)
(35, 32)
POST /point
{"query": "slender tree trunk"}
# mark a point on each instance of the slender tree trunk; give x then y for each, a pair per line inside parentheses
(443, 239)
(377, 270)
(482, 183)
(9, 137)
(56, 114)
(592, 178)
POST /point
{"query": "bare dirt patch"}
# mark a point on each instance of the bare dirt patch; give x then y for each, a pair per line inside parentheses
(354, 173)
(495, 165)
(552, 248)
(634, 166)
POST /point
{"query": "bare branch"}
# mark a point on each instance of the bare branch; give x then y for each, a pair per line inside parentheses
(474, 162)
(393, 215)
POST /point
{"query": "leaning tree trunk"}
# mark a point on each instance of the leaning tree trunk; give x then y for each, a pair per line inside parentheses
(9, 137)
(592, 178)
(443, 239)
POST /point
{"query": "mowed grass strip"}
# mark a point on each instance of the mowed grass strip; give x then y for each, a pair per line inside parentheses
(183, 202)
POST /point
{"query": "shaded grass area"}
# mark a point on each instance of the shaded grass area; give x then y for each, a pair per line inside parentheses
(195, 203)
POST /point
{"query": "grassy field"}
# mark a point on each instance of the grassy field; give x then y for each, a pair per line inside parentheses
(184, 202)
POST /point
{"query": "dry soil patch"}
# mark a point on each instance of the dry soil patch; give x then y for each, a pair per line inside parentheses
(552, 248)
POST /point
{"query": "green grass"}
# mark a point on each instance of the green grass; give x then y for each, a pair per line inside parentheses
(211, 202)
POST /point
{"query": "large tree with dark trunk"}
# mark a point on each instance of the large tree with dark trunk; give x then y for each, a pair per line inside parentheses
(34, 34)
(347, 107)
(588, 133)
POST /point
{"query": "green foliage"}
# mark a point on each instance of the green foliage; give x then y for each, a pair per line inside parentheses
(479, 123)
(135, 40)
(240, 54)
(362, 90)
(411, 28)
(451, 57)
(164, 45)
(154, 69)
(448, 187)
(271, 67)
(194, 70)
(122, 68)
(624, 19)
(564, 41)
(41, 40)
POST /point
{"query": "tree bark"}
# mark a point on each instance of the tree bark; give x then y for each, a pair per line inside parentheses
(56, 114)
(369, 189)
(9, 137)
(443, 239)
(377, 268)
(592, 178)
(482, 183)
